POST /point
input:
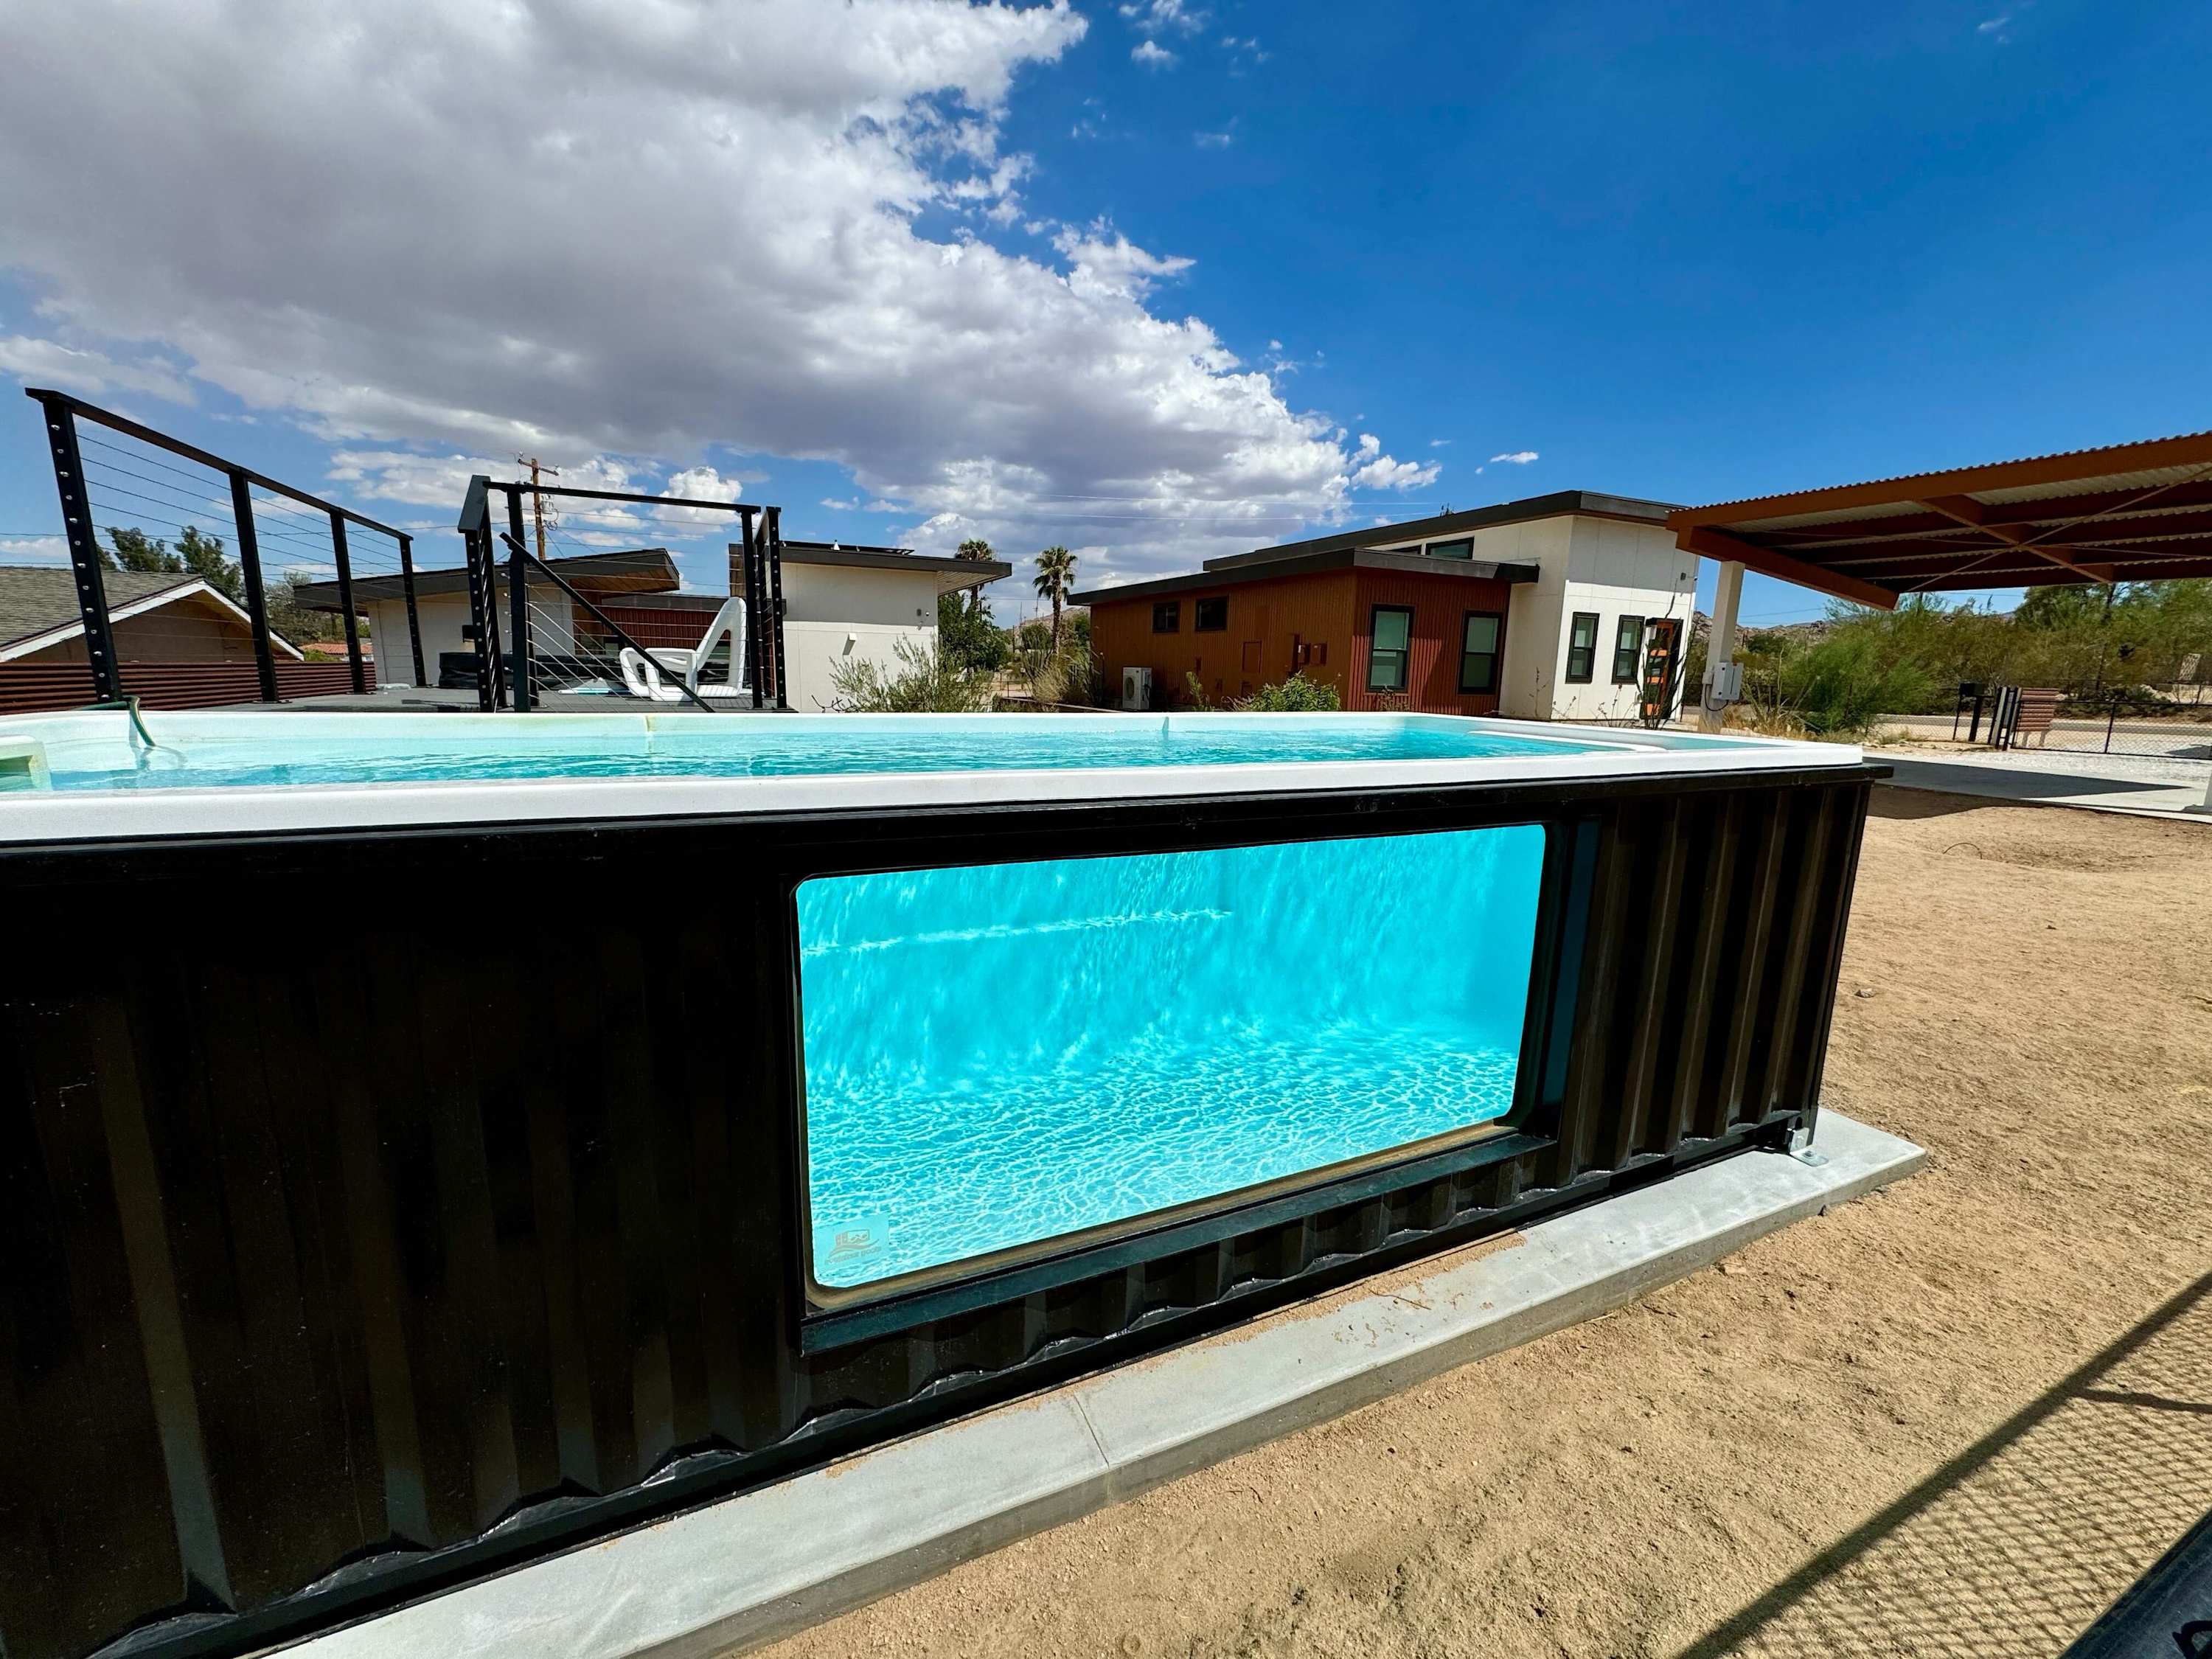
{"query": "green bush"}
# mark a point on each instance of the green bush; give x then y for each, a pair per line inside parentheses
(966, 634)
(1845, 684)
(927, 681)
(1295, 696)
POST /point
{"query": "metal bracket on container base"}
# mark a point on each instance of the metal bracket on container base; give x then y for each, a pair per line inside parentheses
(1800, 1148)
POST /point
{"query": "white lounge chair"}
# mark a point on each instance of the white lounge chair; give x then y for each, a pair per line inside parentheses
(641, 674)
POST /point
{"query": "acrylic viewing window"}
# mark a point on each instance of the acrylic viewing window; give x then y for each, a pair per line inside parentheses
(1188, 1025)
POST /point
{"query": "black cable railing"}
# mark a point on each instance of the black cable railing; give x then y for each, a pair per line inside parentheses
(232, 535)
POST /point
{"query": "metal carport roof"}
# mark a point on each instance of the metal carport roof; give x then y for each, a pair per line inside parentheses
(2137, 512)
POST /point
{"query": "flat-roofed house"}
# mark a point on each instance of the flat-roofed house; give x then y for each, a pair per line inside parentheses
(1547, 608)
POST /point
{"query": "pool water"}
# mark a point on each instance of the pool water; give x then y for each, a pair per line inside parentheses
(701, 746)
(1003, 1055)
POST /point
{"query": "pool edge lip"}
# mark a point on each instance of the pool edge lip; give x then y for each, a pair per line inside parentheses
(48, 817)
(738, 1573)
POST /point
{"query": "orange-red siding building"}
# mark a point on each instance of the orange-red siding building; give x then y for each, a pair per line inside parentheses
(1555, 607)
(1239, 630)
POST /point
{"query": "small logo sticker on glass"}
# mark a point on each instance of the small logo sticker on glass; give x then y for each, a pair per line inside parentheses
(861, 1239)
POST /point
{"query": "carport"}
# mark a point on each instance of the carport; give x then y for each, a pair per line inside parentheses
(2126, 513)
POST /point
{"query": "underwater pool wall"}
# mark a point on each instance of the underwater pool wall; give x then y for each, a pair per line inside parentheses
(346, 1270)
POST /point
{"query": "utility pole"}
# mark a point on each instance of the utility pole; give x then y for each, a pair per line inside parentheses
(537, 501)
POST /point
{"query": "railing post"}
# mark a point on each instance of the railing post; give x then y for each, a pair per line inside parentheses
(518, 604)
(345, 602)
(257, 596)
(755, 622)
(774, 550)
(414, 623)
(484, 614)
(84, 549)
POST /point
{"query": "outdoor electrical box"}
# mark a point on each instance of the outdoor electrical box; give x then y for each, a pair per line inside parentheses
(1137, 689)
(1728, 682)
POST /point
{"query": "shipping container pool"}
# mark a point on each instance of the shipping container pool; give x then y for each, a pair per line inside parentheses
(514, 1126)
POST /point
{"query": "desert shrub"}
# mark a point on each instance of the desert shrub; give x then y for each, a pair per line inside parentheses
(1847, 682)
(1063, 676)
(1295, 696)
(926, 681)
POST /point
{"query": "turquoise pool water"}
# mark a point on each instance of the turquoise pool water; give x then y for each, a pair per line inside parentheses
(311, 750)
(1002, 1055)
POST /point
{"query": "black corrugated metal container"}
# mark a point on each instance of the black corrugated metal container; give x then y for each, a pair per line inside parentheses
(344, 1270)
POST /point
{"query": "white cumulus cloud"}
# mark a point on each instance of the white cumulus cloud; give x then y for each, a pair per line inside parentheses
(444, 235)
(1375, 470)
(1158, 15)
(91, 374)
(1515, 458)
(1152, 55)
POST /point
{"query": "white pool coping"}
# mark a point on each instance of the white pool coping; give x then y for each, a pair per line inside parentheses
(42, 815)
(751, 1569)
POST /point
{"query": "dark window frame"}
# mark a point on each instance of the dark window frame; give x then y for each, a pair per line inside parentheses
(1460, 548)
(1171, 612)
(1633, 647)
(1198, 614)
(1496, 654)
(1404, 653)
(1588, 652)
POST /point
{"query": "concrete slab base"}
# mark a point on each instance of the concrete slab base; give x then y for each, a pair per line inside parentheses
(749, 1568)
(2139, 786)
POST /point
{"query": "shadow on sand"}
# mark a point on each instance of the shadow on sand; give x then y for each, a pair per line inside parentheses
(2018, 1543)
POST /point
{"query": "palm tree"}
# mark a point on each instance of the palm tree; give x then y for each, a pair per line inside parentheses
(975, 548)
(1055, 576)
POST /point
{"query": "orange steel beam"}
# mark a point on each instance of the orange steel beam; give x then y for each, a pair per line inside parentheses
(2192, 449)
(1968, 511)
(1718, 544)
(2051, 508)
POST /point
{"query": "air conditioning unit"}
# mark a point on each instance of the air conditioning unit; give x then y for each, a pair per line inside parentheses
(1137, 688)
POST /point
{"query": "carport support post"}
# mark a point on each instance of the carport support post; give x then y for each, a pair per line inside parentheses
(1720, 645)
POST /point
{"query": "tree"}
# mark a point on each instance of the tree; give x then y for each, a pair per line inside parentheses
(980, 551)
(1055, 576)
(197, 555)
(134, 550)
(203, 556)
(294, 620)
(967, 635)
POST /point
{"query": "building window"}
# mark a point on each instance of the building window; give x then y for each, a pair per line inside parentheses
(1477, 652)
(1459, 550)
(1627, 646)
(1167, 617)
(1212, 616)
(1582, 648)
(1392, 629)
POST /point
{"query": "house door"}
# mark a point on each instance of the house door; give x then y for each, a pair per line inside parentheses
(1663, 668)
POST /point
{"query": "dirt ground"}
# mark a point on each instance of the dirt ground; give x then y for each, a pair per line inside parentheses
(1956, 1417)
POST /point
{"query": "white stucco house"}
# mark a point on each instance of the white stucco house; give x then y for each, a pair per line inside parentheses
(841, 603)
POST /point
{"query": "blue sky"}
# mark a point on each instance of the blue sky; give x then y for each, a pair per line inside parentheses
(1155, 280)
